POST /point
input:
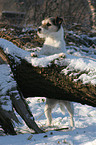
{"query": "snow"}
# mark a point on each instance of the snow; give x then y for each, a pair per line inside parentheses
(77, 60)
(43, 60)
(84, 132)
(10, 48)
(6, 83)
(82, 64)
(6, 103)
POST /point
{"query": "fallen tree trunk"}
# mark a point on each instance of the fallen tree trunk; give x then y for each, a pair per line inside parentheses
(12, 94)
(49, 82)
(23, 110)
(6, 122)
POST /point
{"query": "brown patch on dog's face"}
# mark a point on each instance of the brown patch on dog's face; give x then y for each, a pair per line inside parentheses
(49, 26)
(46, 24)
(52, 22)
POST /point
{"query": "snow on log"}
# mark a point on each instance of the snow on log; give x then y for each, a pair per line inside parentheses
(10, 97)
(70, 77)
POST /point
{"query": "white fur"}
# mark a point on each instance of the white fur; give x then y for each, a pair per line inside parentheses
(51, 103)
(54, 43)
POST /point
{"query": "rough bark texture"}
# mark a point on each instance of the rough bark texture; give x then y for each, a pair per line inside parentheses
(19, 104)
(6, 123)
(23, 110)
(48, 82)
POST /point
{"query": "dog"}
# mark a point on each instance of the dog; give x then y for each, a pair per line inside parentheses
(52, 31)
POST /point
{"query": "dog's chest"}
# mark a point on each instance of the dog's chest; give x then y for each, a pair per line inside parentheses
(52, 46)
(52, 42)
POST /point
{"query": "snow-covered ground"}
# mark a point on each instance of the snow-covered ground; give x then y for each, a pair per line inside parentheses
(84, 132)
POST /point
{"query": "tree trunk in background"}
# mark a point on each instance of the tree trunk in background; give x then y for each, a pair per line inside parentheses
(72, 11)
(92, 4)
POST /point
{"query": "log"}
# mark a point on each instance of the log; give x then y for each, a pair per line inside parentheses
(49, 82)
(6, 122)
(23, 110)
(19, 104)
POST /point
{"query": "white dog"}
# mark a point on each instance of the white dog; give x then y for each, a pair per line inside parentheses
(52, 30)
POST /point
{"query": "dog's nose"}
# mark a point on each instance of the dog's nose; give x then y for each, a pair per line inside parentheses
(39, 30)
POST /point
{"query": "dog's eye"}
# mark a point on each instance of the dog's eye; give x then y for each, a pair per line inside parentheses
(48, 24)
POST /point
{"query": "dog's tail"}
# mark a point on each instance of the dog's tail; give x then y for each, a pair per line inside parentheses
(62, 108)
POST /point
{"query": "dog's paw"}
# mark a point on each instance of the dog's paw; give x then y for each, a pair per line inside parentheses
(62, 55)
(33, 54)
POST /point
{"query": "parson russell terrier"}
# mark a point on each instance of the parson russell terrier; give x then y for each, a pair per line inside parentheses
(52, 30)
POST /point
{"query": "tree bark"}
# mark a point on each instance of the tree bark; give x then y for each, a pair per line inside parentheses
(23, 110)
(49, 82)
(19, 104)
(6, 123)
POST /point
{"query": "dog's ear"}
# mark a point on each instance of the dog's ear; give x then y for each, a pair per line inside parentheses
(58, 21)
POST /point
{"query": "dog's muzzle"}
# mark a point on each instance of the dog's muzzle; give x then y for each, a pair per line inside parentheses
(39, 30)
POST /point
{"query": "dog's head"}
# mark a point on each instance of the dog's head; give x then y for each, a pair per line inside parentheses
(49, 26)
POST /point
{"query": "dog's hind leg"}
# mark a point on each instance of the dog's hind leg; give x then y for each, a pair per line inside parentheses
(48, 115)
(62, 108)
(50, 104)
(70, 108)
